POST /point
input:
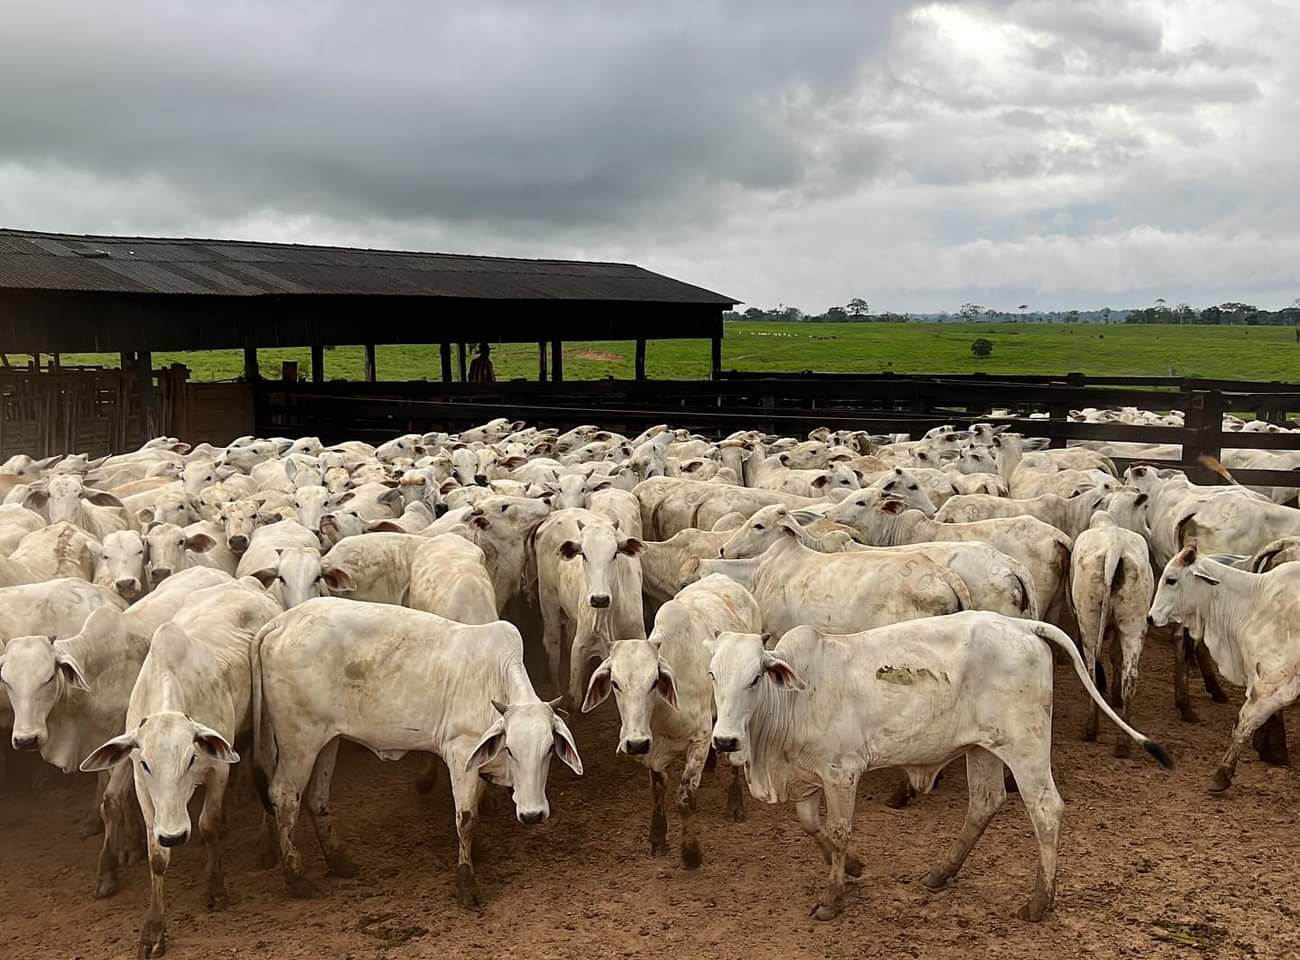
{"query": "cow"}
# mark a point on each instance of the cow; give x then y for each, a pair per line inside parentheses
(1247, 622)
(1111, 588)
(1070, 515)
(189, 703)
(817, 711)
(665, 702)
(122, 565)
(395, 681)
(61, 549)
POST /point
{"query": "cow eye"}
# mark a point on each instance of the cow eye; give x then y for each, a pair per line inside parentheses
(1171, 580)
(146, 767)
(193, 757)
(505, 507)
(914, 487)
(759, 526)
(754, 682)
(614, 684)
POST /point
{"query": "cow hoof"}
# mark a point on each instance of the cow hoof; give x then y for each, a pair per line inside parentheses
(657, 847)
(1090, 736)
(467, 887)
(691, 856)
(153, 940)
(218, 901)
(1217, 694)
(1033, 911)
(736, 802)
(90, 827)
(901, 797)
(106, 886)
(302, 889)
(852, 866)
(342, 867)
(1220, 782)
(1189, 715)
(935, 879)
(822, 911)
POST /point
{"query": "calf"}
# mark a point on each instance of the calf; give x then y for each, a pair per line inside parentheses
(817, 712)
(396, 681)
(665, 703)
(1111, 586)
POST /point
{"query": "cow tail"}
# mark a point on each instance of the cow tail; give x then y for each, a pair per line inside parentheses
(1057, 637)
(958, 587)
(264, 747)
(1114, 569)
(1029, 605)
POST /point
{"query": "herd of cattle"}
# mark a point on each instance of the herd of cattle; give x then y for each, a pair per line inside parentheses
(804, 610)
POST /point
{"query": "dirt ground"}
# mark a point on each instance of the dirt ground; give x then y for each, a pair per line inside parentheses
(1151, 866)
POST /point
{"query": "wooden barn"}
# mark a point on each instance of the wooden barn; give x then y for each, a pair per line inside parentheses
(136, 296)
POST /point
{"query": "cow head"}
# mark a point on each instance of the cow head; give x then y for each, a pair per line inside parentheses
(639, 679)
(599, 545)
(38, 672)
(302, 575)
(122, 564)
(167, 545)
(527, 735)
(759, 532)
(1185, 590)
(742, 671)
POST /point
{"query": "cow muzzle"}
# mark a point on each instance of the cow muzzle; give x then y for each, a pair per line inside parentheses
(127, 588)
(636, 747)
(238, 543)
(159, 574)
(724, 744)
(173, 839)
(600, 601)
(532, 818)
(32, 742)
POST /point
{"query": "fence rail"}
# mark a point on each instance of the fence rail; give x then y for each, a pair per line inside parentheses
(792, 405)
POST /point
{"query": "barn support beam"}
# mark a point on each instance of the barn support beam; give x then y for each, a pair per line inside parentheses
(445, 351)
(251, 372)
(557, 361)
(144, 380)
(715, 360)
(317, 363)
(640, 358)
(460, 362)
(541, 361)
(370, 363)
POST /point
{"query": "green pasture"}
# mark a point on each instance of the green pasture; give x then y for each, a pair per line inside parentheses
(1248, 353)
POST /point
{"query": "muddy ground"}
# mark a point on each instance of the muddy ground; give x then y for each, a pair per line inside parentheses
(1151, 866)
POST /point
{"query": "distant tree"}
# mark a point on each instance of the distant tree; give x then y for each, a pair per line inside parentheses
(857, 308)
(838, 314)
(753, 313)
(981, 348)
(1072, 316)
(970, 312)
(1105, 314)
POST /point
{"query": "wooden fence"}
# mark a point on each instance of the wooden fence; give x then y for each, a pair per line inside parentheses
(788, 405)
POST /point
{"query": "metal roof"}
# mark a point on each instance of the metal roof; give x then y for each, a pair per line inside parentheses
(31, 260)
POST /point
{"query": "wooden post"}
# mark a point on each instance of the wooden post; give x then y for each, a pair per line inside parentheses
(54, 363)
(541, 361)
(317, 363)
(640, 358)
(715, 364)
(445, 350)
(251, 372)
(144, 373)
(370, 363)
(557, 361)
(1204, 425)
(460, 362)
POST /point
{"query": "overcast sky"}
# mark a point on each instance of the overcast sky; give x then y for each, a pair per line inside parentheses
(1063, 153)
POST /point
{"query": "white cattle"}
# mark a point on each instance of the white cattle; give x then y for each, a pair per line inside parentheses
(60, 550)
(1070, 515)
(190, 702)
(817, 712)
(589, 590)
(1248, 623)
(795, 585)
(1041, 548)
(166, 599)
(1111, 587)
(16, 521)
(449, 577)
(52, 608)
(665, 702)
(66, 498)
(169, 550)
(121, 565)
(285, 557)
(396, 681)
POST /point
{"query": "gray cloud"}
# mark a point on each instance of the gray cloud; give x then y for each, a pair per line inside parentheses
(917, 153)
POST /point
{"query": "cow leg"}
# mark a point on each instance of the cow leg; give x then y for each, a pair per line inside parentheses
(210, 829)
(687, 790)
(318, 805)
(580, 651)
(736, 794)
(427, 778)
(153, 935)
(1090, 667)
(465, 790)
(1210, 674)
(1182, 698)
(1257, 708)
(1270, 741)
(984, 779)
(840, 797)
(92, 823)
(658, 818)
(810, 819)
(292, 773)
(903, 794)
(552, 641)
(1130, 647)
(113, 813)
(1033, 772)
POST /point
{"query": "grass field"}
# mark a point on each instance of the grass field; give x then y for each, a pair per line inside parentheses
(1248, 353)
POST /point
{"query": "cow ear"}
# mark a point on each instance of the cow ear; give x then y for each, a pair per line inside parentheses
(666, 684)
(782, 674)
(385, 526)
(766, 640)
(1202, 575)
(598, 688)
(266, 576)
(893, 506)
(338, 580)
(200, 543)
(145, 515)
(101, 499)
(110, 754)
(1140, 499)
(565, 748)
(213, 745)
(494, 739)
(71, 670)
(820, 481)
(1189, 552)
(569, 549)
(630, 547)
(36, 500)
